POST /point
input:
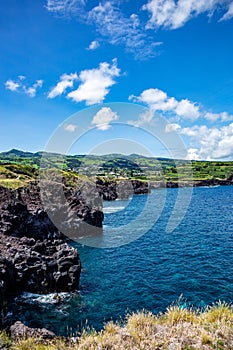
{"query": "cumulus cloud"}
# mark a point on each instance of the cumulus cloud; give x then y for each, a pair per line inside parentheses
(144, 118)
(93, 45)
(66, 81)
(70, 127)
(95, 83)
(12, 85)
(213, 143)
(172, 127)
(19, 86)
(193, 154)
(31, 90)
(187, 109)
(152, 97)
(223, 116)
(207, 142)
(174, 14)
(158, 100)
(104, 117)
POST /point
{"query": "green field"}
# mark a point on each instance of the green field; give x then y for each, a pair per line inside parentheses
(17, 168)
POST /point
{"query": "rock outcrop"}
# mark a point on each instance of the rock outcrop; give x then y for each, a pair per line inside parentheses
(22, 212)
(39, 266)
(19, 331)
(122, 189)
(34, 254)
(193, 183)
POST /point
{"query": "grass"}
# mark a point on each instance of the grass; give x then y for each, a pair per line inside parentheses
(12, 183)
(16, 166)
(177, 328)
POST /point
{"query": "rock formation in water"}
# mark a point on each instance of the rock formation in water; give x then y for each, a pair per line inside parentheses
(194, 183)
(121, 189)
(34, 254)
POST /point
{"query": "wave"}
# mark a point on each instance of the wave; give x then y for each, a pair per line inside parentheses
(112, 209)
(52, 298)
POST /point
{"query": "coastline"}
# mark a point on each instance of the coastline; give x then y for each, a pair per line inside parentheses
(29, 202)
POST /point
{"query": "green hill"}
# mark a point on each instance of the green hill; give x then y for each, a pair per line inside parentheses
(18, 167)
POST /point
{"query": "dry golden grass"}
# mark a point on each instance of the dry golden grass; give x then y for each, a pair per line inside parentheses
(177, 329)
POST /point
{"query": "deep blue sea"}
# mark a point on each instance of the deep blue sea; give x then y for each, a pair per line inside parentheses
(194, 261)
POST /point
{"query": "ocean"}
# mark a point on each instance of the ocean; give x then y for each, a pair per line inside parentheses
(150, 268)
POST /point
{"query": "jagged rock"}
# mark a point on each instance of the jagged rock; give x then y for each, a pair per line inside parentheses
(140, 187)
(7, 280)
(26, 268)
(35, 255)
(111, 190)
(19, 331)
(22, 212)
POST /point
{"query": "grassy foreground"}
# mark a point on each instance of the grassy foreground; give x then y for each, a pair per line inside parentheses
(174, 330)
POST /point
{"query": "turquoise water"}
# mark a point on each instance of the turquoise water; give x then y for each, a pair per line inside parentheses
(194, 261)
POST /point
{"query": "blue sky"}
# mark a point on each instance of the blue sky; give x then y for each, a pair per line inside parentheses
(174, 58)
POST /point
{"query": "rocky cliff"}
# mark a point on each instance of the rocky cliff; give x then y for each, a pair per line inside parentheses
(34, 255)
(111, 190)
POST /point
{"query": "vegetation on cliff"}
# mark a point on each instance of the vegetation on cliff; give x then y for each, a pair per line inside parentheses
(178, 329)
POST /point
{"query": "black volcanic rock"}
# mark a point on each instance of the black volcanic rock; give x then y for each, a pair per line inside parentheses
(34, 254)
(36, 266)
(16, 218)
(140, 187)
(22, 212)
(122, 189)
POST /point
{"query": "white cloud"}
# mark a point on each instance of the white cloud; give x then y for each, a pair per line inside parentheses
(152, 96)
(66, 81)
(158, 100)
(21, 77)
(65, 7)
(229, 13)
(93, 45)
(187, 109)
(212, 116)
(95, 83)
(174, 14)
(12, 85)
(18, 86)
(223, 116)
(144, 118)
(31, 90)
(193, 154)
(172, 127)
(118, 29)
(104, 117)
(70, 127)
(131, 30)
(208, 143)
(111, 23)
